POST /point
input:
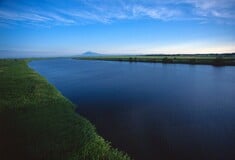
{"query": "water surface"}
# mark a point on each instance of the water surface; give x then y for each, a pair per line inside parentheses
(152, 110)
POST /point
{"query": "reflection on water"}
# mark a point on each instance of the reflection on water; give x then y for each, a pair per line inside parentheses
(152, 111)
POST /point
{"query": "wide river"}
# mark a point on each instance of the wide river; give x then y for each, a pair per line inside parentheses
(152, 111)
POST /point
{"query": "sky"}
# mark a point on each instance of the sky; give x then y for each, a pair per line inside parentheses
(71, 27)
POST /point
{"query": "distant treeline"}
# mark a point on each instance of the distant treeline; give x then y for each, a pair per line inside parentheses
(211, 59)
(205, 55)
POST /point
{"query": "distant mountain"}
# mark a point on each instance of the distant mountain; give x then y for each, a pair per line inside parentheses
(87, 54)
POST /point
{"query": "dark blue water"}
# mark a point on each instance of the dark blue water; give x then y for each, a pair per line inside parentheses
(152, 111)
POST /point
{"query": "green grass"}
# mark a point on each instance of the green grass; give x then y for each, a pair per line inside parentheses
(211, 59)
(37, 122)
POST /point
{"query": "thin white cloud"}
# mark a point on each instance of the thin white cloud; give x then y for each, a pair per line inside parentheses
(58, 18)
(213, 8)
(11, 15)
(35, 17)
(155, 13)
(106, 11)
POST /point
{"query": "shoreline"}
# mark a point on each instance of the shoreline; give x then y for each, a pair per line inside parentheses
(208, 59)
(38, 122)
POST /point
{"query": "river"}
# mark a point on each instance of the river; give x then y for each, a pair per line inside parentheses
(152, 110)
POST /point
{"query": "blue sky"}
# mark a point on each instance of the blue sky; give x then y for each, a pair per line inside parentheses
(69, 27)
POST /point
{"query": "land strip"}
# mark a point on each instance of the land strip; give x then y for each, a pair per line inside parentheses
(37, 122)
(210, 59)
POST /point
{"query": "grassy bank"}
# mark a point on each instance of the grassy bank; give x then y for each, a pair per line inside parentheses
(37, 122)
(211, 59)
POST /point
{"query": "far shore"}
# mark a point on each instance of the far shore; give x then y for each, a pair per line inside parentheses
(209, 59)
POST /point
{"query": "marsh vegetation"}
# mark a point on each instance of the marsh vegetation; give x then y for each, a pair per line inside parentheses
(37, 122)
(212, 59)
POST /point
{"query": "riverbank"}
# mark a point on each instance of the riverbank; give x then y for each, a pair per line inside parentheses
(210, 59)
(37, 122)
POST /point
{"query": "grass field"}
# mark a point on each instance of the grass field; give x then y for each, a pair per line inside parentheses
(37, 122)
(212, 59)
